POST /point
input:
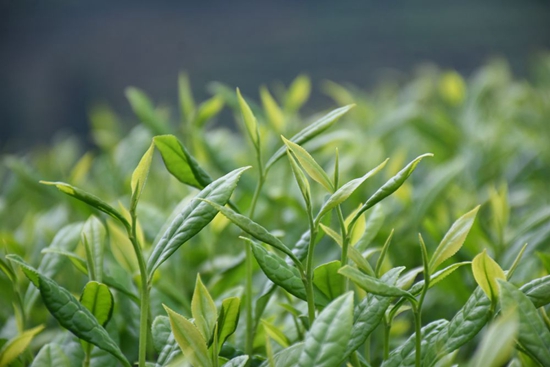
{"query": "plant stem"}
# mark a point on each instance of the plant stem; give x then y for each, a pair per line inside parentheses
(308, 282)
(387, 328)
(144, 302)
(345, 244)
(418, 336)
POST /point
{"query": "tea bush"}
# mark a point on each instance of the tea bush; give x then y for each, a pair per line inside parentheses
(288, 240)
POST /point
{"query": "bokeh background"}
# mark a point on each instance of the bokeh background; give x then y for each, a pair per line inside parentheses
(59, 58)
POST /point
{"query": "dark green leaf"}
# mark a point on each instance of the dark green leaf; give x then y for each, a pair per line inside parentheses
(372, 284)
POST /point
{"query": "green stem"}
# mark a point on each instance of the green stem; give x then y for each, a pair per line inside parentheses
(345, 244)
(418, 336)
(144, 304)
(308, 281)
(86, 362)
(387, 329)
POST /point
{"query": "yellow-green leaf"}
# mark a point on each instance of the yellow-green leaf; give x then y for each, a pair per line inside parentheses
(272, 110)
(298, 93)
(203, 309)
(17, 345)
(97, 298)
(486, 272)
(249, 120)
(139, 176)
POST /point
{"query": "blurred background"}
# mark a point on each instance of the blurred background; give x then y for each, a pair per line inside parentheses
(59, 58)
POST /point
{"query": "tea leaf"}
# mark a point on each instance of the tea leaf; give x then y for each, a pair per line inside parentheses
(249, 121)
(160, 330)
(276, 334)
(498, 342)
(251, 227)
(309, 164)
(391, 185)
(228, 318)
(51, 355)
(437, 276)
(186, 101)
(272, 110)
(371, 284)
(70, 313)
(533, 335)
(145, 111)
(327, 279)
(89, 199)
(194, 217)
(298, 93)
(301, 180)
(287, 357)
(486, 272)
(17, 345)
(453, 239)
(310, 132)
(203, 309)
(189, 339)
(97, 298)
(208, 109)
(93, 238)
(180, 163)
(326, 341)
(369, 312)
(139, 176)
(344, 192)
(538, 291)
(239, 361)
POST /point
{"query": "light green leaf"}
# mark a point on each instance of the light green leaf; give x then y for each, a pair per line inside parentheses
(143, 108)
(203, 309)
(208, 109)
(276, 334)
(70, 313)
(344, 192)
(51, 355)
(239, 361)
(97, 298)
(310, 132)
(486, 272)
(372, 284)
(301, 180)
(89, 199)
(180, 163)
(288, 357)
(193, 218)
(228, 318)
(249, 120)
(390, 186)
(327, 279)
(139, 176)
(325, 343)
(437, 276)
(298, 93)
(93, 237)
(538, 291)
(189, 339)
(309, 164)
(186, 100)
(453, 239)
(272, 110)
(373, 223)
(498, 342)
(17, 345)
(160, 330)
(533, 335)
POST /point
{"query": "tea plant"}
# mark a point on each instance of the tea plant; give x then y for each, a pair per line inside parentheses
(303, 242)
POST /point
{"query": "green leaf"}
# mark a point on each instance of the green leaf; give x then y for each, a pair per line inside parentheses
(239, 361)
(312, 168)
(282, 274)
(369, 313)
(486, 272)
(373, 223)
(143, 108)
(533, 335)
(17, 345)
(193, 218)
(71, 314)
(160, 330)
(405, 354)
(208, 109)
(298, 93)
(189, 339)
(180, 163)
(249, 120)
(276, 334)
(97, 298)
(89, 199)
(453, 239)
(287, 357)
(228, 318)
(310, 132)
(344, 192)
(498, 342)
(325, 343)
(274, 114)
(538, 291)
(437, 276)
(327, 279)
(186, 101)
(371, 284)
(139, 176)
(51, 355)
(390, 186)
(93, 237)
(251, 227)
(301, 180)
(203, 309)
